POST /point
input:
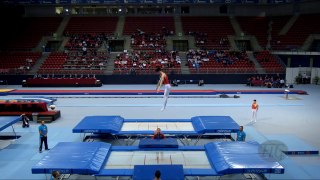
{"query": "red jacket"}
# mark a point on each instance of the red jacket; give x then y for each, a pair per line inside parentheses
(158, 136)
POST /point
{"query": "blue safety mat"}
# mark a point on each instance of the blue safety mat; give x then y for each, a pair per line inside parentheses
(240, 157)
(6, 121)
(170, 172)
(99, 124)
(113, 124)
(74, 158)
(214, 124)
(158, 143)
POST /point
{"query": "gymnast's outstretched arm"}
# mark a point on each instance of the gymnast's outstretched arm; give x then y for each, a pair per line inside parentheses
(160, 82)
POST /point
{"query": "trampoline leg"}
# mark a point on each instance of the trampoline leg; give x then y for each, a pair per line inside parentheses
(184, 140)
(128, 139)
(198, 139)
(14, 131)
(115, 137)
(84, 137)
(134, 140)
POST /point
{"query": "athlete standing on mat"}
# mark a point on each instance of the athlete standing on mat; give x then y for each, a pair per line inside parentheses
(254, 108)
(164, 80)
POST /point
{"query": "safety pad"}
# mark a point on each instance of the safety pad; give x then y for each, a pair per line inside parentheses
(99, 124)
(158, 143)
(6, 121)
(214, 124)
(172, 172)
(240, 157)
(74, 158)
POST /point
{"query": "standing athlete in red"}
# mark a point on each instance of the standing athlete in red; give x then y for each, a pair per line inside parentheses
(163, 80)
(254, 108)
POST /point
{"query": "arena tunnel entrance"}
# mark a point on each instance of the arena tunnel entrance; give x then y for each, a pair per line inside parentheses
(180, 45)
(116, 45)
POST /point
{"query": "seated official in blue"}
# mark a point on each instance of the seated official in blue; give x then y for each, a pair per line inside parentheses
(241, 135)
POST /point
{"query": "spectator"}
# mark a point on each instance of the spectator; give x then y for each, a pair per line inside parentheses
(174, 82)
(282, 83)
(84, 51)
(25, 120)
(241, 135)
(158, 134)
(201, 82)
(43, 132)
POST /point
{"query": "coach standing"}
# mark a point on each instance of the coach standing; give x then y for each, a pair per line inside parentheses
(43, 131)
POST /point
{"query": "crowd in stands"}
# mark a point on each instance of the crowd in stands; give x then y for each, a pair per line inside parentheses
(91, 60)
(23, 68)
(202, 41)
(139, 61)
(17, 62)
(217, 59)
(266, 81)
(85, 41)
(150, 41)
(82, 54)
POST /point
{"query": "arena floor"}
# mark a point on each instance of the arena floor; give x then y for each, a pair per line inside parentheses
(297, 117)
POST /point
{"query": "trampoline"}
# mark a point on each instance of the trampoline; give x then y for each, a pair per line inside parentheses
(102, 159)
(6, 121)
(196, 126)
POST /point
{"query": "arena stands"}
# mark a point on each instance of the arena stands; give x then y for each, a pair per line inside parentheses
(91, 25)
(257, 26)
(298, 33)
(26, 33)
(149, 25)
(201, 61)
(269, 62)
(17, 62)
(145, 62)
(209, 32)
(84, 42)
